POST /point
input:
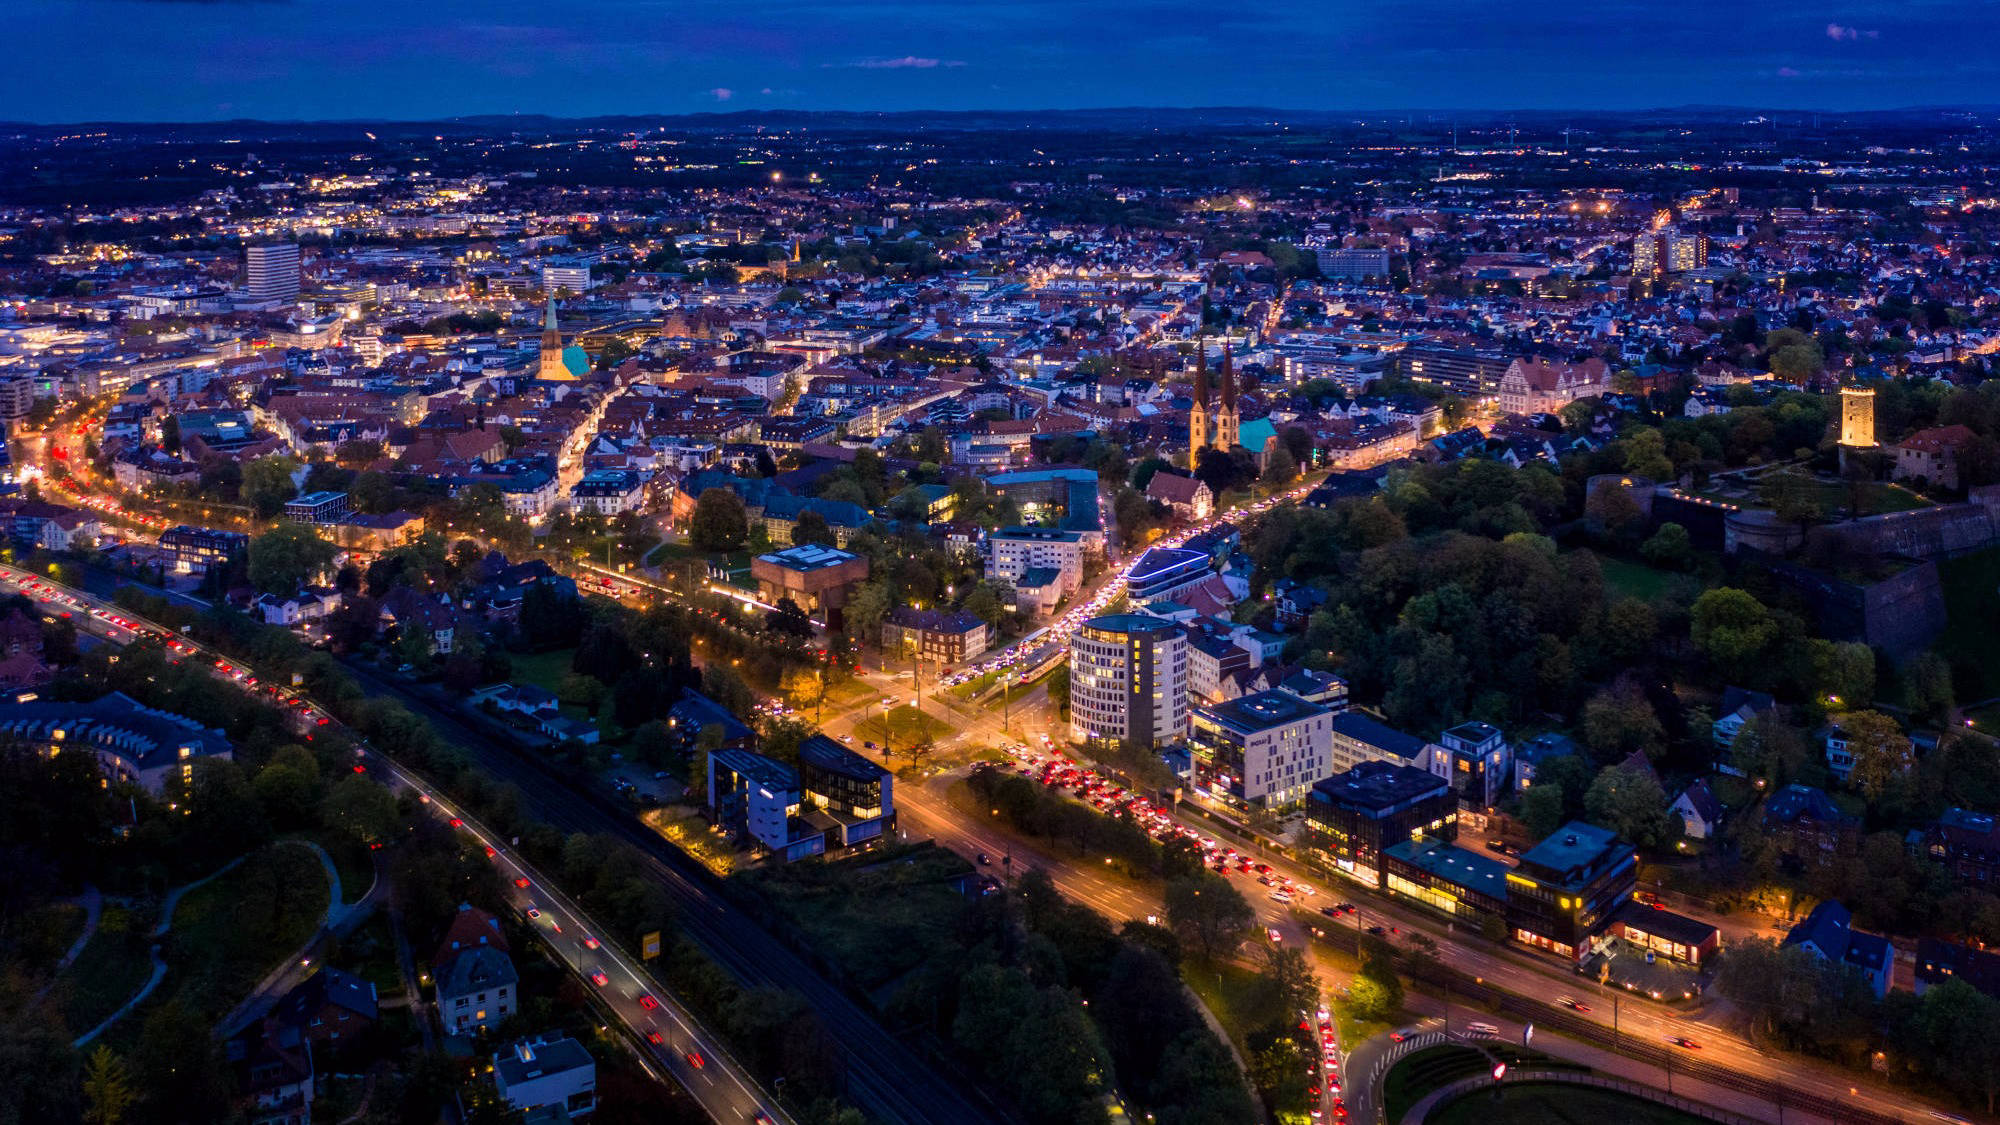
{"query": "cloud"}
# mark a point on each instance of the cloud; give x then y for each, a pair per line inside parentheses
(722, 93)
(1788, 72)
(906, 62)
(1838, 32)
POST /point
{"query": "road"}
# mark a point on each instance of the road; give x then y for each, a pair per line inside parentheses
(725, 1089)
(885, 1076)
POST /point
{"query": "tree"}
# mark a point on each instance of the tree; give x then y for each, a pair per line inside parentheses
(811, 527)
(362, 808)
(1630, 802)
(1791, 498)
(1927, 689)
(720, 521)
(1205, 911)
(1376, 993)
(1280, 467)
(984, 604)
(1734, 631)
(1881, 751)
(287, 557)
(866, 609)
(1843, 672)
(1542, 810)
(1057, 683)
(267, 484)
(107, 1088)
(1620, 719)
(288, 785)
(1669, 547)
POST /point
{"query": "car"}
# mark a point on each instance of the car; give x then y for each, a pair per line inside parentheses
(490, 853)
(1276, 937)
(1401, 1033)
(695, 1060)
(1482, 1030)
(598, 978)
(1572, 1003)
(359, 768)
(761, 1118)
(1377, 931)
(522, 882)
(647, 1002)
(654, 1037)
(590, 942)
(1281, 897)
(984, 859)
(457, 822)
(868, 745)
(534, 913)
(1684, 1041)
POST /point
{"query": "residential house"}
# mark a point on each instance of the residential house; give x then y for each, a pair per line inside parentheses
(477, 986)
(329, 1006)
(1698, 811)
(546, 1074)
(1806, 823)
(1965, 842)
(1932, 455)
(1187, 497)
(1939, 961)
(1828, 933)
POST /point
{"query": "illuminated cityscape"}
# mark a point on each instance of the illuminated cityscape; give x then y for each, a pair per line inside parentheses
(833, 567)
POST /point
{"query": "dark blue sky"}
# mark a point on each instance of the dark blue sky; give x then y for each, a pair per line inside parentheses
(204, 59)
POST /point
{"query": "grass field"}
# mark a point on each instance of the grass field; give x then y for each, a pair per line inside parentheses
(1635, 579)
(1879, 497)
(1548, 1103)
(1409, 1080)
(229, 933)
(904, 726)
(1232, 993)
(113, 965)
(542, 669)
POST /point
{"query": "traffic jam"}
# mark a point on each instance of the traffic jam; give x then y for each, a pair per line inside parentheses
(1108, 797)
(1326, 1073)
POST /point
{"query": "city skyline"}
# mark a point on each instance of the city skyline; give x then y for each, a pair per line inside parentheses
(340, 59)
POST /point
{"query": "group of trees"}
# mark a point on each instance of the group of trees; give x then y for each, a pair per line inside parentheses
(1056, 1008)
(1800, 1000)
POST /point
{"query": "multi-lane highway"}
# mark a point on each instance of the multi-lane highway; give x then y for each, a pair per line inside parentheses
(669, 1038)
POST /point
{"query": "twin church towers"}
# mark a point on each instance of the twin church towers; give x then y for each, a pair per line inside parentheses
(1227, 428)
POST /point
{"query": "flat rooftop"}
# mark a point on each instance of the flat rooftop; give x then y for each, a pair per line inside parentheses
(1379, 785)
(1264, 710)
(808, 557)
(1454, 865)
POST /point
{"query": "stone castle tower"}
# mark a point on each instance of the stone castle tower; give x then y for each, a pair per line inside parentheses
(1857, 417)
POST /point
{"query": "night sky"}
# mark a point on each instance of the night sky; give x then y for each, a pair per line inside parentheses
(171, 60)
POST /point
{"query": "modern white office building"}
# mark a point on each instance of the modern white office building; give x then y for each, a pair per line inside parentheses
(1128, 676)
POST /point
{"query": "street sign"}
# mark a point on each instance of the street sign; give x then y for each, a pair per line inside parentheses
(1528, 1036)
(649, 945)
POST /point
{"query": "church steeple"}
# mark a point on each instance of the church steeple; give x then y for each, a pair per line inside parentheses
(1198, 414)
(1227, 425)
(553, 366)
